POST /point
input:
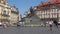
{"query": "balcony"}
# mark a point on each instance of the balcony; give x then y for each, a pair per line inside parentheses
(5, 14)
(3, 18)
(15, 12)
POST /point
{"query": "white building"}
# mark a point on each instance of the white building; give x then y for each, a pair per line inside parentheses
(47, 11)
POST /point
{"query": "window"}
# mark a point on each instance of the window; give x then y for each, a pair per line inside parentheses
(51, 11)
(50, 15)
(59, 15)
(47, 16)
(54, 10)
(54, 15)
(4, 12)
(4, 2)
(42, 15)
(8, 12)
(45, 12)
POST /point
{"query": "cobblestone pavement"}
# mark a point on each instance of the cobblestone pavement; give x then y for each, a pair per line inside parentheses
(29, 30)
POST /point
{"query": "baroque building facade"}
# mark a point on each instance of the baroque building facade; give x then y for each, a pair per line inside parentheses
(8, 14)
(47, 11)
(14, 16)
(4, 11)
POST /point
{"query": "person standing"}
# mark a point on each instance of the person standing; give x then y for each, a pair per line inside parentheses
(4, 25)
(50, 25)
(55, 23)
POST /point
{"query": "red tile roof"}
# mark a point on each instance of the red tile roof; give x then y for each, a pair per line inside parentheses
(43, 4)
(50, 2)
(53, 0)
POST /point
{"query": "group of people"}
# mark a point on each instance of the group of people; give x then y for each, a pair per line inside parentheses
(53, 22)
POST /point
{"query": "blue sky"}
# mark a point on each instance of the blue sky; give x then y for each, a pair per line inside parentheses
(24, 5)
